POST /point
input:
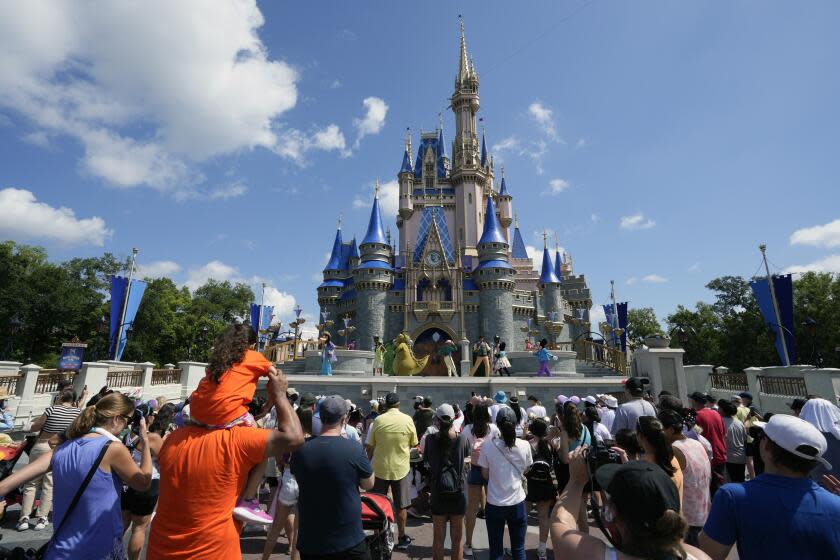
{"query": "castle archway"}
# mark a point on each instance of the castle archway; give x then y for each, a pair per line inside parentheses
(428, 343)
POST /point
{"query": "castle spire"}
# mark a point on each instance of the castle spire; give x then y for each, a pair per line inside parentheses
(558, 269)
(483, 144)
(375, 231)
(335, 257)
(503, 189)
(464, 63)
(548, 276)
(492, 229)
(518, 250)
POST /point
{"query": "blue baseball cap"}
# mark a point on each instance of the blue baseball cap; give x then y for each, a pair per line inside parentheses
(500, 397)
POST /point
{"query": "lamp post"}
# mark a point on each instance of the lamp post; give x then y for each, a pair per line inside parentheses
(14, 329)
(683, 337)
(811, 328)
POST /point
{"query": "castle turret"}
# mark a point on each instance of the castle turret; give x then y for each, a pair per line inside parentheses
(406, 180)
(494, 277)
(329, 292)
(505, 205)
(550, 284)
(372, 279)
(354, 257)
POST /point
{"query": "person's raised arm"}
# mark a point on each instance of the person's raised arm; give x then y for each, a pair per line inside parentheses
(26, 473)
(120, 461)
(38, 423)
(288, 434)
(565, 535)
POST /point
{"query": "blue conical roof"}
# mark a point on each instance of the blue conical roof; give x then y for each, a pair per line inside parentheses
(354, 250)
(375, 232)
(519, 251)
(503, 189)
(406, 163)
(558, 270)
(492, 229)
(441, 146)
(335, 257)
(483, 151)
(548, 275)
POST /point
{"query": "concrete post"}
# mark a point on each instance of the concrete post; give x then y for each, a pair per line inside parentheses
(466, 358)
(94, 375)
(146, 370)
(823, 382)
(664, 368)
(754, 387)
(191, 374)
(9, 368)
(169, 366)
(26, 384)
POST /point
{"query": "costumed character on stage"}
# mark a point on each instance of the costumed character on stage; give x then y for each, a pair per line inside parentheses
(446, 351)
(388, 358)
(327, 354)
(404, 361)
(544, 357)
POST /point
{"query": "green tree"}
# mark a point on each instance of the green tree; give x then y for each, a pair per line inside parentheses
(642, 323)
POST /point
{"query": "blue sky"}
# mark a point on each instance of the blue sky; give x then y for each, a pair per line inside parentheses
(662, 141)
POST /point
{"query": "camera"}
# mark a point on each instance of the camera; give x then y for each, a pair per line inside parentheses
(597, 456)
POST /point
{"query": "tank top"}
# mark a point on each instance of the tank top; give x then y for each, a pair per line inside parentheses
(94, 528)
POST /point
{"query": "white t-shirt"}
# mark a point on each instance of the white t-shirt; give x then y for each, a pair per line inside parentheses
(494, 410)
(458, 422)
(537, 410)
(506, 465)
(607, 415)
(601, 432)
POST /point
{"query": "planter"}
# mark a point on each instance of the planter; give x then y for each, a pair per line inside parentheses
(657, 341)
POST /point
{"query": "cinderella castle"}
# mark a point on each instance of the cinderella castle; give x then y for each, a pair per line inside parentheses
(458, 270)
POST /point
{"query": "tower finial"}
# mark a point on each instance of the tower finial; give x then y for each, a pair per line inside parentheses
(440, 121)
(463, 66)
(556, 241)
(340, 217)
(516, 220)
(503, 171)
(545, 239)
(376, 189)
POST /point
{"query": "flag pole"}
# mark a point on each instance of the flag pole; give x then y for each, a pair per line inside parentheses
(134, 252)
(260, 315)
(763, 249)
(615, 312)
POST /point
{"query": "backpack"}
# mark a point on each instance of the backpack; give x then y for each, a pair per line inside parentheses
(475, 452)
(449, 480)
(540, 472)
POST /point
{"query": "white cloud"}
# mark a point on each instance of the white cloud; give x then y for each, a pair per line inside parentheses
(335, 84)
(283, 302)
(375, 111)
(213, 270)
(38, 138)
(294, 144)
(158, 269)
(148, 88)
(654, 279)
(556, 186)
(827, 235)
(597, 316)
(830, 263)
(694, 267)
(510, 143)
(23, 217)
(544, 118)
(234, 190)
(594, 218)
(389, 199)
(535, 255)
(636, 221)
(632, 280)
(580, 143)
(535, 150)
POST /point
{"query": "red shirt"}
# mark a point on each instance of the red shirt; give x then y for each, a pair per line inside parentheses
(713, 430)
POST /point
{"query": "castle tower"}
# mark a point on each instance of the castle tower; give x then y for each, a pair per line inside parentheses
(406, 181)
(550, 283)
(505, 207)
(329, 292)
(494, 277)
(372, 279)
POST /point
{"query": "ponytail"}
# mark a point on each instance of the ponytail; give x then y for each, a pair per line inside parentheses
(444, 441)
(653, 432)
(508, 431)
(106, 408)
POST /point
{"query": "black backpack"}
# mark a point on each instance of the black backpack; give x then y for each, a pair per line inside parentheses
(449, 480)
(540, 471)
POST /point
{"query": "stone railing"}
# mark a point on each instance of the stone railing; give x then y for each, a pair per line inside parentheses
(729, 381)
(166, 376)
(782, 386)
(48, 380)
(9, 382)
(602, 355)
(124, 378)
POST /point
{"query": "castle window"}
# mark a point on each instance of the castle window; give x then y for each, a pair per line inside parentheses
(469, 197)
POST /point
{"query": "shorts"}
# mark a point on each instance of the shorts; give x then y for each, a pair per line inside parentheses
(541, 491)
(400, 490)
(749, 447)
(475, 478)
(138, 503)
(449, 505)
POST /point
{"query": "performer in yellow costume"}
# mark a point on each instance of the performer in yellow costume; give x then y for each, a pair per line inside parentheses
(404, 361)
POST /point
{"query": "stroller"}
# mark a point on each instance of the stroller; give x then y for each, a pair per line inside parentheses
(378, 524)
(9, 455)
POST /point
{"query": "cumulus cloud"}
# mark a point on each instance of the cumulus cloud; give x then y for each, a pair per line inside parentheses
(23, 217)
(511, 143)
(830, 263)
(375, 111)
(158, 269)
(283, 302)
(556, 186)
(145, 100)
(597, 315)
(632, 280)
(826, 235)
(295, 144)
(544, 117)
(234, 190)
(389, 199)
(654, 279)
(636, 221)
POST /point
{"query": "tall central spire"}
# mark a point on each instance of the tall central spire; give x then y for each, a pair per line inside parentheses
(464, 63)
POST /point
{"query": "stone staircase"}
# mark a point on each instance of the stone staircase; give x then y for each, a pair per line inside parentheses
(589, 369)
(292, 368)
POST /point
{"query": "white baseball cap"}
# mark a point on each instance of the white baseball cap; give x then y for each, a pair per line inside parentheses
(610, 401)
(791, 433)
(590, 399)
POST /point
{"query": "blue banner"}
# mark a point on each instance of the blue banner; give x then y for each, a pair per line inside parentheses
(118, 293)
(267, 311)
(612, 322)
(783, 286)
(72, 356)
(622, 324)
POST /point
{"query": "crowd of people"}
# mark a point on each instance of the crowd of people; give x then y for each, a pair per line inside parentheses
(663, 478)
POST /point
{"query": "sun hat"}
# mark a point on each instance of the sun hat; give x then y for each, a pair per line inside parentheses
(500, 397)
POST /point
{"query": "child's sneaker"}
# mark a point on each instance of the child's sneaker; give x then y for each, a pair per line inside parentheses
(250, 511)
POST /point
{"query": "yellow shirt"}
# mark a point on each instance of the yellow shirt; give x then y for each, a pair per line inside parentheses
(392, 437)
(742, 415)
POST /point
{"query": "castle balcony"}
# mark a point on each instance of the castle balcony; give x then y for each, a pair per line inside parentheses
(434, 306)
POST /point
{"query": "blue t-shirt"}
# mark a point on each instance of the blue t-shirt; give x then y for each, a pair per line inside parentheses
(327, 470)
(776, 517)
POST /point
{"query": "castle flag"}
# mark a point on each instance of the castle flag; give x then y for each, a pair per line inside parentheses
(262, 319)
(783, 287)
(119, 288)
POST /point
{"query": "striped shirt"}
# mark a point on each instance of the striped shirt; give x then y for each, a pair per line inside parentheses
(59, 418)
